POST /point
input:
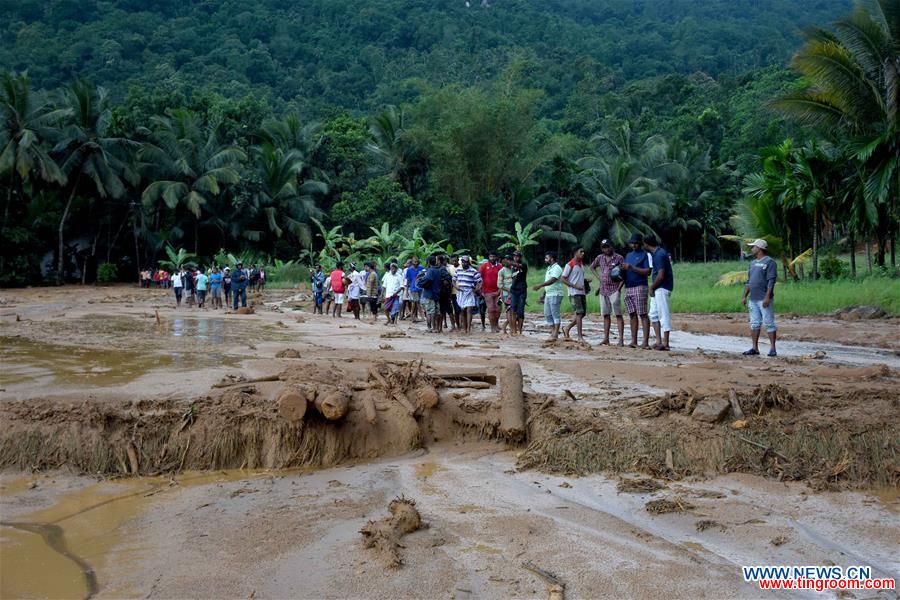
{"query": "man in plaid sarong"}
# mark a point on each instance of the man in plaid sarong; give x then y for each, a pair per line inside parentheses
(637, 267)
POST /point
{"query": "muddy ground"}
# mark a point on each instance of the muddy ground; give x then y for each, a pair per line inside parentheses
(150, 440)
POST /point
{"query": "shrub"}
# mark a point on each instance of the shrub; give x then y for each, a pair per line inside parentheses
(834, 268)
(107, 272)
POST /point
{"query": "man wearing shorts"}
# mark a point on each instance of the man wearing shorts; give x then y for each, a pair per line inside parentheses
(468, 283)
(637, 267)
(573, 278)
(663, 282)
(490, 273)
(215, 288)
(553, 294)
(759, 296)
(337, 287)
(430, 285)
(609, 291)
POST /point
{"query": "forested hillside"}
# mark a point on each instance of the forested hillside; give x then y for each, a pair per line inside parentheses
(327, 128)
(356, 54)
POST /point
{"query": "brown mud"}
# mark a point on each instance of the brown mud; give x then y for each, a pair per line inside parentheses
(116, 382)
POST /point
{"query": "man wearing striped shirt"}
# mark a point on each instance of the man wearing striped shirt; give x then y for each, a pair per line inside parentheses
(468, 282)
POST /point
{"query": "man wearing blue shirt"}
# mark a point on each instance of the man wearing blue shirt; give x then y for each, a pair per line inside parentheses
(662, 283)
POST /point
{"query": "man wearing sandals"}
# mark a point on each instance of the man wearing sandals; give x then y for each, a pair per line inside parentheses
(662, 283)
(759, 295)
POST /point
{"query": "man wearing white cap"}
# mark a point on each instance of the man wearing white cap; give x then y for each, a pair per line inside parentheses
(759, 296)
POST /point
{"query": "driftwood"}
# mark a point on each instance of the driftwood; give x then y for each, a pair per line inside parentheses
(467, 376)
(224, 384)
(557, 587)
(512, 409)
(735, 404)
(384, 535)
(474, 385)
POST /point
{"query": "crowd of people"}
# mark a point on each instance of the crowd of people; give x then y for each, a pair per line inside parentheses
(449, 291)
(195, 286)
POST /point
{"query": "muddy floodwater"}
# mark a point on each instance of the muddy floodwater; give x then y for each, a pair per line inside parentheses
(148, 452)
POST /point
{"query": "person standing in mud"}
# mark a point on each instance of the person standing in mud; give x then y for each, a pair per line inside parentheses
(518, 291)
(177, 287)
(759, 296)
(202, 283)
(429, 282)
(504, 281)
(371, 286)
(663, 282)
(468, 284)
(446, 296)
(552, 296)
(392, 283)
(187, 276)
(573, 278)
(226, 285)
(637, 267)
(609, 290)
(337, 287)
(354, 289)
(215, 288)
(490, 290)
(240, 279)
(317, 280)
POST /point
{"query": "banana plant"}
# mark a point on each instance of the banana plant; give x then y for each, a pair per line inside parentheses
(176, 258)
(523, 237)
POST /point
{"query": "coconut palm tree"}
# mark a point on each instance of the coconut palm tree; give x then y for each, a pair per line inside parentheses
(27, 121)
(87, 154)
(394, 148)
(281, 203)
(187, 164)
(619, 199)
(853, 98)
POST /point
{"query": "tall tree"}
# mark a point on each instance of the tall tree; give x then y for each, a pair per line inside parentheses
(28, 120)
(88, 155)
(854, 99)
(188, 166)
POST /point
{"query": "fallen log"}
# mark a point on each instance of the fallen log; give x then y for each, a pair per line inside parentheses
(467, 376)
(474, 385)
(368, 403)
(512, 400)
(333, 406)
(292, 406)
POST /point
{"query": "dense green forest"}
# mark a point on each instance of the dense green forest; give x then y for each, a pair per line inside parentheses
(298, 129)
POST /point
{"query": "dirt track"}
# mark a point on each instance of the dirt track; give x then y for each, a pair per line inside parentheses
(106, 346)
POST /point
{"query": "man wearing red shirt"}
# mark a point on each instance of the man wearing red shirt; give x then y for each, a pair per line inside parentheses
(490, 271)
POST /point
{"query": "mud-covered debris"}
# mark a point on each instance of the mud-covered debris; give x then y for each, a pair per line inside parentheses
(639, 485)
(668, 505)
(384, 535)
(705, 524)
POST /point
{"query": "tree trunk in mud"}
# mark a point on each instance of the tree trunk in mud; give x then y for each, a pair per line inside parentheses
(292, 406)
(333, 406)
(512, 409)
